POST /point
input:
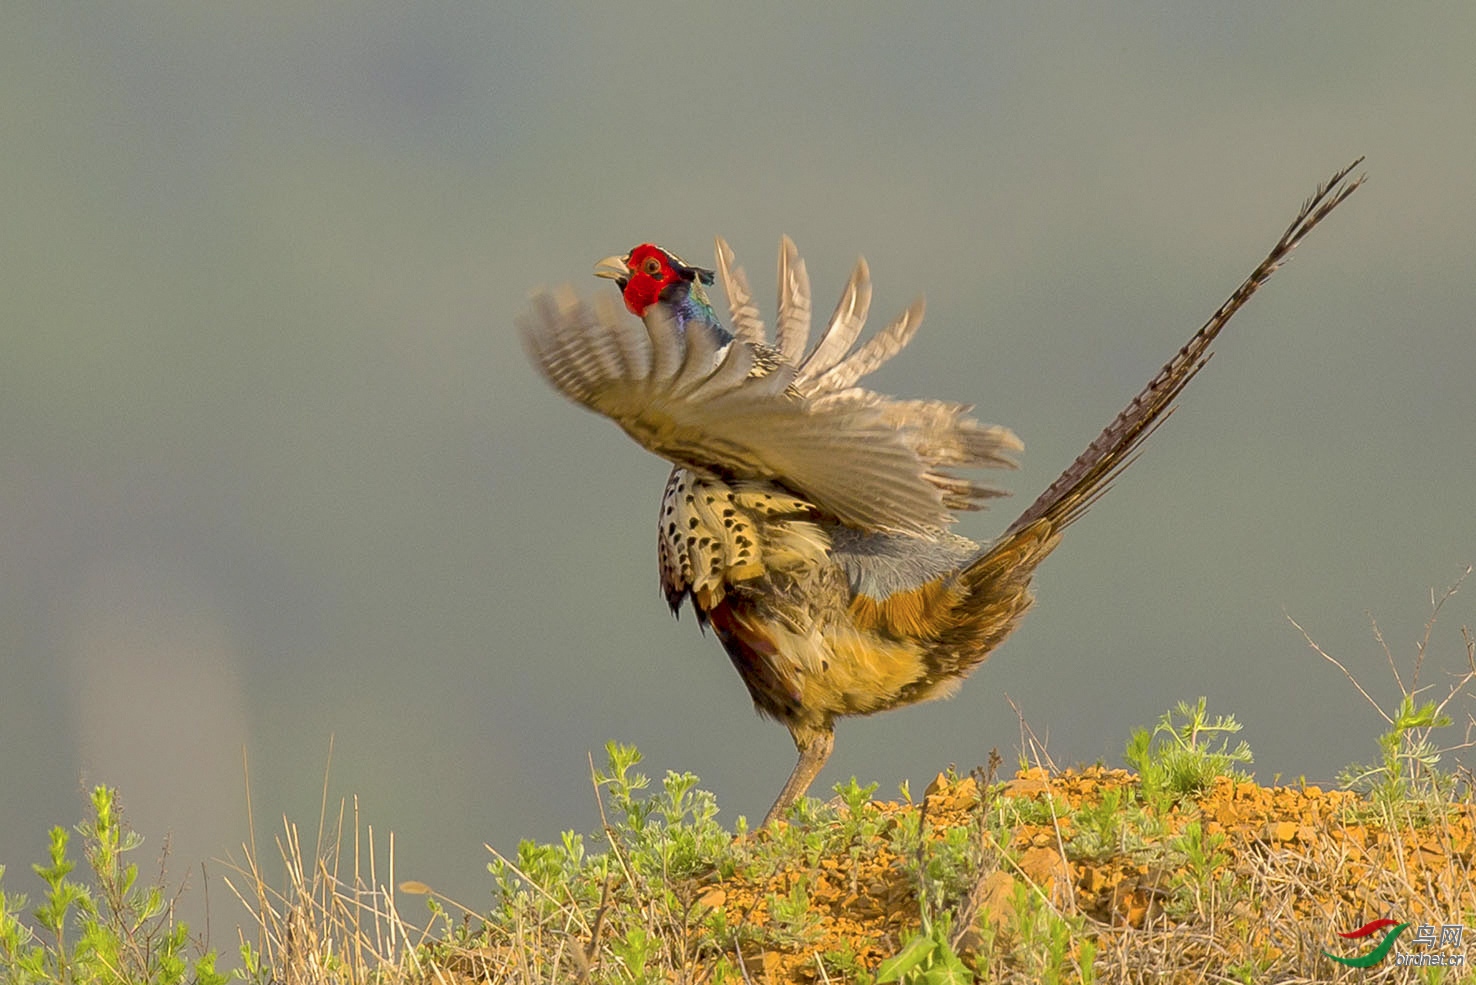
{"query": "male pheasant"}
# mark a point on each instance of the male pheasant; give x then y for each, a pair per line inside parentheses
(807, 518)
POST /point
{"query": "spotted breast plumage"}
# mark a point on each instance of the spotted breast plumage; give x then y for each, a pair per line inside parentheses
(806, 519)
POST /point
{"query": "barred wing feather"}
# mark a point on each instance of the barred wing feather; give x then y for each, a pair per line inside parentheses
(833, 365)
(792, 332)
(747, 324)
(942, 433)
(845, 326)
(682, 396)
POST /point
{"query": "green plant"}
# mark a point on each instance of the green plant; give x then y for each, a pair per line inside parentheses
(1044, 809)
(1408, 767)
(1180, 756)
(674, 835)
(1201, 870)
(946, 867)
(842, 965)
(796, 922)
(927, 959)
(1410, 764)
(1248, 972)
(1114, 825)
(856, 798)
(1045, 941)
(112, 931)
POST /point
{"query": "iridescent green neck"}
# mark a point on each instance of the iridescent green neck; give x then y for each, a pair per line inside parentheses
(689, 303)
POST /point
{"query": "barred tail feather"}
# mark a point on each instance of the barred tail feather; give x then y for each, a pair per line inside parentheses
(1116, 447)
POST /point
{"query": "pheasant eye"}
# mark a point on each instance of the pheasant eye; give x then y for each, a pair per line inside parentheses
(652, 267)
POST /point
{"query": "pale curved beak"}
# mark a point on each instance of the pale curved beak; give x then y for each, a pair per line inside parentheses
(612, 268)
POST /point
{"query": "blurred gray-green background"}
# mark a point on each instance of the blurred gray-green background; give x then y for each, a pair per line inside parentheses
(274, 468)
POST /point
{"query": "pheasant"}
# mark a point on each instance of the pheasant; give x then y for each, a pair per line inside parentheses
(807, 518)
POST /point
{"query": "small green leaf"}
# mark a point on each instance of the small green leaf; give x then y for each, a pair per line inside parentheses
(916, 951)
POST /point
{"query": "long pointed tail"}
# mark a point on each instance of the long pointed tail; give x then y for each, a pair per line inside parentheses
(998, 581)
(1115, 448)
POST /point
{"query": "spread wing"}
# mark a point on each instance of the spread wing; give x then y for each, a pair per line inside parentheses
(941, 432)
(695, 399)
(835, 363)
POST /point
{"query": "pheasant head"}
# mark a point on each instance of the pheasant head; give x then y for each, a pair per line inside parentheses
(649, 275)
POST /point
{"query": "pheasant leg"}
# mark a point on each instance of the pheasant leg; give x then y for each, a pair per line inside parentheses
(814, 745)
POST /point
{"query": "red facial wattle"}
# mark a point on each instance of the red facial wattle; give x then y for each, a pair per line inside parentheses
(651, 273)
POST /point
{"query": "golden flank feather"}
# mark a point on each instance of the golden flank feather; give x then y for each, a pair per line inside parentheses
(922, 613)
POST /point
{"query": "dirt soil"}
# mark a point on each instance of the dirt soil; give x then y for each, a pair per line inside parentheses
(1282, 871)
(1307, 863)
